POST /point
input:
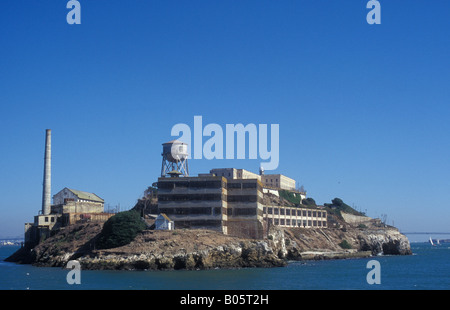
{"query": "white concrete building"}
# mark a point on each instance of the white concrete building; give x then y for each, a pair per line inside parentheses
(278, 181)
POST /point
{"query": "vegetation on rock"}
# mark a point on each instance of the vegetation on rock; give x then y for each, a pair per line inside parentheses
(120, 230)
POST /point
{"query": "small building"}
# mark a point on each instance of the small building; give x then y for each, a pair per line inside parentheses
(278, 181)
(68, 194)
(163, 222)
(74, 201)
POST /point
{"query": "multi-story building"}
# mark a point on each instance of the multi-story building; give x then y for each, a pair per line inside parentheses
(228, 204)
(213, 202)
(194, 202)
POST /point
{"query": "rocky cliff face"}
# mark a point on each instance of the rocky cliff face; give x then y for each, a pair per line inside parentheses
(203, 249)
(388, 241)
(180, 249)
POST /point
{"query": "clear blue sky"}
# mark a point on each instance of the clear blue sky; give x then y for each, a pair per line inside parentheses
(364, 110)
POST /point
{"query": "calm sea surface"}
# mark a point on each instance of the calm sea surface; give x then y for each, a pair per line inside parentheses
(427, 269)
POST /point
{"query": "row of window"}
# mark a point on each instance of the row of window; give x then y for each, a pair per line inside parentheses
(210, 197)
(209, 184)
(211, 211)
(192, 211)
(191, 184)
(182, 197)
(294, 212)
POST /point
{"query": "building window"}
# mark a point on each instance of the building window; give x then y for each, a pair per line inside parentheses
(53, 219)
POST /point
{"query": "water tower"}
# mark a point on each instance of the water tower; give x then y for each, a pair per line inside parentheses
(174, 159)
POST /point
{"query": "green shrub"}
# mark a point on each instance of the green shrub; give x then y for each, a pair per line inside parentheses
(309, 202)
(120, 230)
(345, 245)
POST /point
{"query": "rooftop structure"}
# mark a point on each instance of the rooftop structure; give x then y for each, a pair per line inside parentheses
(274, 181)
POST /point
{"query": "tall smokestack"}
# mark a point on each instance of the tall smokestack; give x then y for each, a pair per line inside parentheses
(46, 193)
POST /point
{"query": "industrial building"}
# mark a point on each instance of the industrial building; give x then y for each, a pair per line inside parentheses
(70, 206)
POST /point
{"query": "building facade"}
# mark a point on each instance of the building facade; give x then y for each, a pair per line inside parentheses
(71, 195)
(245, 208)
(194, 202)
(233, 173)
(278, 181)
(231, 206)
(295, 217)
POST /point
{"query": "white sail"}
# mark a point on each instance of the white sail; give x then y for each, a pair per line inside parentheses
(431, 241)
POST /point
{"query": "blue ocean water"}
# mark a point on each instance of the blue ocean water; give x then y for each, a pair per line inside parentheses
(427, 269)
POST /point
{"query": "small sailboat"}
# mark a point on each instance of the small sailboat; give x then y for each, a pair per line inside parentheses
(431, 241)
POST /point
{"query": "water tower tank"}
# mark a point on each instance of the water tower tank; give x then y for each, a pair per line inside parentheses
(175, 151)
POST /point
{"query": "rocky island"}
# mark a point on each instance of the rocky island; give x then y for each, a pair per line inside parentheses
(246, 220)
(351, 237)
